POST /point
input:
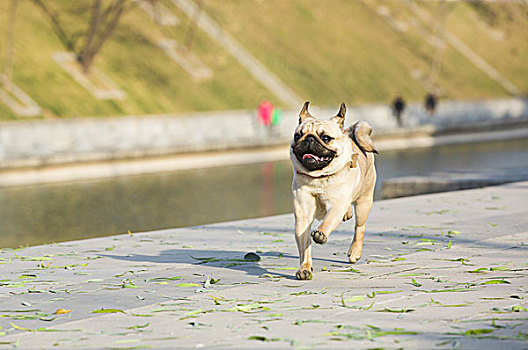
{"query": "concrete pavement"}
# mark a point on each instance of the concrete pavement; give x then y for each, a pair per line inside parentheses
(444, 270)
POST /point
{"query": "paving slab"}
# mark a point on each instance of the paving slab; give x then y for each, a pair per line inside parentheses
(444, 270)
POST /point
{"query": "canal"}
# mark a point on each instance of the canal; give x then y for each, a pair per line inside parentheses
(32, 215)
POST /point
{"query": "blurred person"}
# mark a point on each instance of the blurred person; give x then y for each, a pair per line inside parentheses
(430, 103)
(265, 112)
(398, 106)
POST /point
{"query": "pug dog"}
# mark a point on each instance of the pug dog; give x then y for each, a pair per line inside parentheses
(334, 178)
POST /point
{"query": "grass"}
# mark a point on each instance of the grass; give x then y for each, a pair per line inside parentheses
(344, 50)
(152, 81)
(327, 52)
(507, 56)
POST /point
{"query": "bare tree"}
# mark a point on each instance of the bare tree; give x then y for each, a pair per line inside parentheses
(154, 4)
(190, 35)
(439, 35)
(10, 38)
(87, 44)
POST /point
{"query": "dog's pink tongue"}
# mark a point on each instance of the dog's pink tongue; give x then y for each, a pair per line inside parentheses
(310, 156)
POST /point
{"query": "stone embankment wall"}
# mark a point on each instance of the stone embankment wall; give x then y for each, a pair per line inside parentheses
(38, 143)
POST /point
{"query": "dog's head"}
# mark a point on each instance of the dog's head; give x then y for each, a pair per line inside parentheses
(320, 147)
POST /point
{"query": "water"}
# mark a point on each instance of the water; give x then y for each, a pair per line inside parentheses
(34, 215)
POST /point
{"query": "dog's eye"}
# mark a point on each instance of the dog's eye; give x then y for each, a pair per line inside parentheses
(296, 137)
(326, 138)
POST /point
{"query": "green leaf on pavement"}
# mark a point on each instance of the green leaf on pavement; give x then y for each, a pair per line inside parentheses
(414, 283)
(108, 311)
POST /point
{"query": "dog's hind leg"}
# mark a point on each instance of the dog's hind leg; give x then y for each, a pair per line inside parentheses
(349, 214)
(362, 209)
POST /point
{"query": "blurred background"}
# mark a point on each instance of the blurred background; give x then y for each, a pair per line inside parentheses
(90, 86)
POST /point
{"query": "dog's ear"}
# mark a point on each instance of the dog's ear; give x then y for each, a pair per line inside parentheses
(340, 117)
(360, 132)
(304, 114)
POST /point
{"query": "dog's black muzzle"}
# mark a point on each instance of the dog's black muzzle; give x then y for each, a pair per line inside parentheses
(312, 154)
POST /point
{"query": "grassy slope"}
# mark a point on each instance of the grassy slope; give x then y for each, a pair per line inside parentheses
(341, 65)
(360, 58)
(508, 56)
(152, 81)
(326, 51)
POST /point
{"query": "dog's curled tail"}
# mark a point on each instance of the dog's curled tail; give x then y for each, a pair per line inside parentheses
(360, 133)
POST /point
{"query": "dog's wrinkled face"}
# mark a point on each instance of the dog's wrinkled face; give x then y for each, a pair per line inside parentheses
(314, 145)
(317, 143)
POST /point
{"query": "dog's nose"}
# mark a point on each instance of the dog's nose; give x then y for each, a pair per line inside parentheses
(310, 139)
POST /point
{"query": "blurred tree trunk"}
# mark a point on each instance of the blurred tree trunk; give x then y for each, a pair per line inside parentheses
(103, 21)
(192, 28)
(155, 10)
(102, 24)
(66, 38)
(10, 42)
(439, 36)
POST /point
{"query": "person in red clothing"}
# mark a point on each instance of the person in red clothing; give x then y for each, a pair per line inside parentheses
(265, 112)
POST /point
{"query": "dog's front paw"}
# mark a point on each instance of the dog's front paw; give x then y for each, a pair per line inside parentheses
(319, 237)
(353, 258)
(303, 274)
(354, 254)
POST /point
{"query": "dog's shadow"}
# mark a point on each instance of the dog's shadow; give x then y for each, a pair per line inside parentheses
(228, 259)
